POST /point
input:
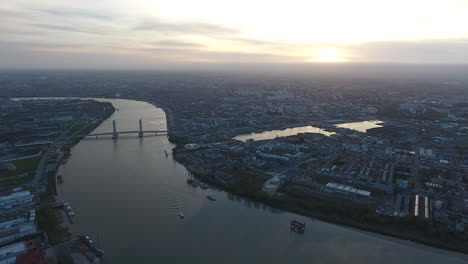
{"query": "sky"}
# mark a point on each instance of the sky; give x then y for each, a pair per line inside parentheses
(146, 33)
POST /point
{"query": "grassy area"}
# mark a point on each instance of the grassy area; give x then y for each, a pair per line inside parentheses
(85, 131)
(10, 179)
(64, 259)
(77, 128)
(247, 182)
(88, 129)
(27, 165)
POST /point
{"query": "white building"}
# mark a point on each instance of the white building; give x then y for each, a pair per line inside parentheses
(345, 189)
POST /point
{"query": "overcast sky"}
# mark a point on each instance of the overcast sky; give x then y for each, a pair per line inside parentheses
(145, 33)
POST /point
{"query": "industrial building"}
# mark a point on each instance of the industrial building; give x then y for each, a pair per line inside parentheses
(422, 206)
(15, 199)
(18, 231)
(9, 253)
(21, 253)
(347, 190)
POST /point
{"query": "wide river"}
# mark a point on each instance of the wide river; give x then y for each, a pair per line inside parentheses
(127, 194)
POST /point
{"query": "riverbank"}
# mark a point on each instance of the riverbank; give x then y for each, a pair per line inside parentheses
(362, 217)
(53, 221)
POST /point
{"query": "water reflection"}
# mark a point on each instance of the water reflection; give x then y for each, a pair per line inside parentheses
(271, 134)
(250, 203)
(361, 126)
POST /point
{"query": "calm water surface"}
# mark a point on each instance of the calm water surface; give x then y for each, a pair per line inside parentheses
(126, 194)
(271, 134)
(361, 126)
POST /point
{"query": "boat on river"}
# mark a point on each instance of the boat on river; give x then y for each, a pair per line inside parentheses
(211, 198)
(298, 227)
(68, 209)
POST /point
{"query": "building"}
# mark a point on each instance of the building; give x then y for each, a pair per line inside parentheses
(422, 206)
(373, 186)
(12, 222)
(9, 253)
(15, 199)
(413, 108)
(283, 160)
(21, 253)
(278, 96)
(17, 232)
(33, 255)
(345, 189)
(250, 144)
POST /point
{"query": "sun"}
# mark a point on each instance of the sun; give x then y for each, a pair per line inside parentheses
(328, 55)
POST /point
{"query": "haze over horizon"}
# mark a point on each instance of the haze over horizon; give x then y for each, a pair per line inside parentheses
(145, 34)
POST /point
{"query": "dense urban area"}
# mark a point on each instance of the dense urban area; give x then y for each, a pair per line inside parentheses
(385, 156)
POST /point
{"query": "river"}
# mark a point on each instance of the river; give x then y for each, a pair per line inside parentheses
(127, 194)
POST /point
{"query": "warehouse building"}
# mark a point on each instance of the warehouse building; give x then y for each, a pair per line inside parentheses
(15, 199)
(346, 190)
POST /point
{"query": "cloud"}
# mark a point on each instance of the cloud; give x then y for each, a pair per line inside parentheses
(423, 51)
(278, 45)
(19, 32)
(198, 55)
(77, 13)
(247, 57)
(257, 42)
(36, 45)
(189, 28)
(63, 28)
(175, 43)
(9, 13)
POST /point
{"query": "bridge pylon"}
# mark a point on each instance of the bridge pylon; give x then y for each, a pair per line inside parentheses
(140, 132)
(115, 135)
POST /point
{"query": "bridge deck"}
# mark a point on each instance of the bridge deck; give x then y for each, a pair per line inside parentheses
(123, 132)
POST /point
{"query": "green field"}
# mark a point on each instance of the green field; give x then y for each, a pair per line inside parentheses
(247, 181)
(11, 179)
(77, 128)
